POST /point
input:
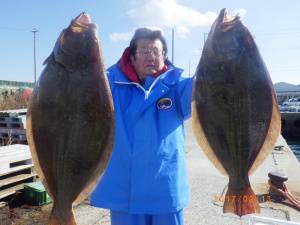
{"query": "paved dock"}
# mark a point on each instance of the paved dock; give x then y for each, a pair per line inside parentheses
(206, 184)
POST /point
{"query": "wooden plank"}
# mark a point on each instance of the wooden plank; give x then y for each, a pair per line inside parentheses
(10, 153)
(12, 130)
(13, 150)
(10, 191)
(10, 119)
(15, 111)
(14, 154)
(2, 204)
(19, 147)
(5, 167)
(11, 125)
(15, 158)
(16, 178)
(16, 169)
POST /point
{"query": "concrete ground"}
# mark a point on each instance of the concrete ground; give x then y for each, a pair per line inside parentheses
(206, 184)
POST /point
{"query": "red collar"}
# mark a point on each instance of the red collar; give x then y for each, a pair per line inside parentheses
(128, 70)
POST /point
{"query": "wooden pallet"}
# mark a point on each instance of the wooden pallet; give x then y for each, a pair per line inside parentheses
(16, 178)
(11, 122)
(12, 156)
(11, 141)
(13, 112)
(10, 191)
(10, 136)
(12, 129)
(3, 204)
(16, 168)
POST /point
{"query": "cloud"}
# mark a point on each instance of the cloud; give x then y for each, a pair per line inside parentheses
(166, 14)
(182, 31)
(126, 36)
(169, 14)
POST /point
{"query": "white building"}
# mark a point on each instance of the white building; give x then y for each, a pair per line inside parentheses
(285, 91)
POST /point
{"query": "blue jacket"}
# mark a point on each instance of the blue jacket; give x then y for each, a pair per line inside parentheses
(147, 170)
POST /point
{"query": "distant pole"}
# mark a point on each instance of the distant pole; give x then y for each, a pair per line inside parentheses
(172, 45)
(189, 67)
(204, 38)
(34, 30)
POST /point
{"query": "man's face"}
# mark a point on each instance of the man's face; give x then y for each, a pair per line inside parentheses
(149, 57)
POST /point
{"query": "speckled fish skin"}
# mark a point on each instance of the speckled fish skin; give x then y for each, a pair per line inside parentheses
(235, 108)
(70, 119)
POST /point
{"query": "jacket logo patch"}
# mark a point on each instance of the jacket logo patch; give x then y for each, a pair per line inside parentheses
(164, 103)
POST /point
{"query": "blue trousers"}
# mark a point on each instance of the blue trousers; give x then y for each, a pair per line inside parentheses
(122, 218)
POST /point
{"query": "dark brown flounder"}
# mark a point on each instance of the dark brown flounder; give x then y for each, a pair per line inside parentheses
(235, 114)
(70, 119)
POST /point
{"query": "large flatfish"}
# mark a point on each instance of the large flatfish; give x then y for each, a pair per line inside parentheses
(70, 119)
(236, 119)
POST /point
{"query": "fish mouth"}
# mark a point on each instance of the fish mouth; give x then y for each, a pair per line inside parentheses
(227, 21)
(83, 19)
(81, 23)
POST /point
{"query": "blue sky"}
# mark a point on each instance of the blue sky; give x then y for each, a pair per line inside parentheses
(274, 24)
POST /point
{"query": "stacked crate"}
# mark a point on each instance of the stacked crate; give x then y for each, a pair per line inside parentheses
(16, 169)
(12, 129)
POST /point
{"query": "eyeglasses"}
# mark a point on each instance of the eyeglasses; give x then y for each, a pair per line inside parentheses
(146, 52)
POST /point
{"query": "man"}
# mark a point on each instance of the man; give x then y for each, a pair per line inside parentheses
(145, 182)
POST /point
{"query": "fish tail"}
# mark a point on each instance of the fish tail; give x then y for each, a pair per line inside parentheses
(241, 203)
(57, 221)
(61, 217)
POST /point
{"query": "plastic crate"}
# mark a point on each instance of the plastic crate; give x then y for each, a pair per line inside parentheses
(35, 194)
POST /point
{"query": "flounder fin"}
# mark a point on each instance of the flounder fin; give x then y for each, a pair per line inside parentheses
(86, 192)
(271, 137)
(29, 136)
(46, 61)
(97, 174)
(203, 142)
(242, 203)
(88, 189)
